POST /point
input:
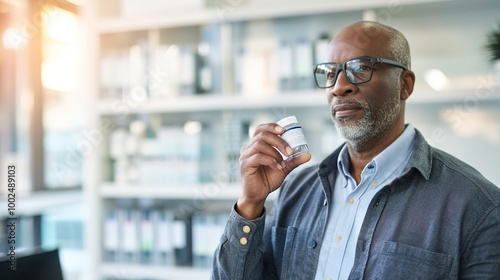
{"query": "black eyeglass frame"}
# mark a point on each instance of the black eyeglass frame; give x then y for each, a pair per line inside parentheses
(341, 67)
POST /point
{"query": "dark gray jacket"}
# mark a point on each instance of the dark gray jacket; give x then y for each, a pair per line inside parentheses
(440, 220)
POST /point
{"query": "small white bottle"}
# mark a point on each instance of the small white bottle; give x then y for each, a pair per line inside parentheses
(293, 135)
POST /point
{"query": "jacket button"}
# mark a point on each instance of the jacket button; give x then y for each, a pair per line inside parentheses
(312, 244)
(243, 241)
(246, 229)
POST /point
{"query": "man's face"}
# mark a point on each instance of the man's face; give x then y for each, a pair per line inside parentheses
(366, 111)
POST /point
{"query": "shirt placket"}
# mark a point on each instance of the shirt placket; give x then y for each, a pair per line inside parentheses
(348, 215)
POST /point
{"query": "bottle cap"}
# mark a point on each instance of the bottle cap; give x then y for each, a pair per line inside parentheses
(286, 121)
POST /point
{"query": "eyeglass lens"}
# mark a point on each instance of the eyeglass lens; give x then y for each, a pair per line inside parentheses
(357, 71)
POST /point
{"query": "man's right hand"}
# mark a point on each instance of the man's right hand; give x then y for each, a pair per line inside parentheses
(263, 169)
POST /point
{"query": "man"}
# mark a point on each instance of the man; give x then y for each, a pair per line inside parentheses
(385, 205)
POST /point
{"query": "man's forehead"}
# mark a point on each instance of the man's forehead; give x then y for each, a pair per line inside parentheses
(354, 42)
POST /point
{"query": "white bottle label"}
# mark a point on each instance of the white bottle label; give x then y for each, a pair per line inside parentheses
(294, 136)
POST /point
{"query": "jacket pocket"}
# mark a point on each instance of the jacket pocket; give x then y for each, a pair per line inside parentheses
(400, 261)
(282, 242)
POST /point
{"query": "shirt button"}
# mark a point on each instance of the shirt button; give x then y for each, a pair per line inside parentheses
(246, 229)
(339, 237)
(374, 182)
(351, 201)
(243, 241)
(311, 244)
(329, 278)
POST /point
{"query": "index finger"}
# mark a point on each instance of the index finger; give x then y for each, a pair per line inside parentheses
(271, 127)
(277, 142)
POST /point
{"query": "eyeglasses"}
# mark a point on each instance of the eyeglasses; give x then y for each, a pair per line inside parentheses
(358, 70)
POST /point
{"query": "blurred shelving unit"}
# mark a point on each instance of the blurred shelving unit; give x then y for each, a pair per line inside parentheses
(175, 93)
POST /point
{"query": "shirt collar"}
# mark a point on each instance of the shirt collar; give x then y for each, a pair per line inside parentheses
(420, 161)
(390, 158)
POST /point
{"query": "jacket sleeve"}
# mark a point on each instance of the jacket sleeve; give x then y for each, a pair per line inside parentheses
(240, 254)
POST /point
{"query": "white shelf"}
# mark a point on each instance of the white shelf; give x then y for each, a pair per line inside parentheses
(207, 103)
(133, 271)
(38, 202)
(254, 11)
(212, 191)
(302, 99)
(476, 94)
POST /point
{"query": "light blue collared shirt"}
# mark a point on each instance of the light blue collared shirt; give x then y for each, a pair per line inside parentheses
(350, 203)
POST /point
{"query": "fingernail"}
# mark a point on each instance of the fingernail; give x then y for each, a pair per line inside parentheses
(279, 166)
(278, 128)
(283, 164)
(289, 151)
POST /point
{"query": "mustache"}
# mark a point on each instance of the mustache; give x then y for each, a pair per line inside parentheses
(348, 102)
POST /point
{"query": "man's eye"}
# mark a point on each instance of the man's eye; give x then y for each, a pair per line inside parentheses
(362, 68)
(330, 75)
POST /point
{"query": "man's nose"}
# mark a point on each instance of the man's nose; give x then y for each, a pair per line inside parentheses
(342, 85)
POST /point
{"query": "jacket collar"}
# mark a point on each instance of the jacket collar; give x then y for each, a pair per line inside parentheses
(421, 157)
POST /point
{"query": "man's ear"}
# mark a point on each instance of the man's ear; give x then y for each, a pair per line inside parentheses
(407, 84)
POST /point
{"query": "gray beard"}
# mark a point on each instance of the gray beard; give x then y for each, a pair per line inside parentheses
(372, 126)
